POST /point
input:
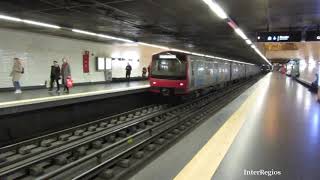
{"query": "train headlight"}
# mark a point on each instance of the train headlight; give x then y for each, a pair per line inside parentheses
(181, 84)
(154, 82)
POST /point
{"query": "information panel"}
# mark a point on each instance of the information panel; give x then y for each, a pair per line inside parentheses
(293, 36)
(108, 63)
(100, 63)
(313, 36)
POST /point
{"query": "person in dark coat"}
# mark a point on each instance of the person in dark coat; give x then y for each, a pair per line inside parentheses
(128, 71)
(144, 72)
(55, 75)
(65, 73)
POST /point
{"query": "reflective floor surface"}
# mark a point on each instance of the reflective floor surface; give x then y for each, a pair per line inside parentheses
(281, 133)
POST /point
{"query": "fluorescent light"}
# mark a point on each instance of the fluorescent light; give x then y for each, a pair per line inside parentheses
(41, 24)
(248, 41)
(84, 32)
(241, 33)
(261, 55)
(153, 45)
(115, 38)
(216, 9)
(10, 18)
(105, 36)
(197, 54)
(253, 46)
(181, 51)
(100, 35)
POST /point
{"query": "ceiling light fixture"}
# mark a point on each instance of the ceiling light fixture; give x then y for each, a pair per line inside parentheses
(9, 18)
(197, 54)
(83, 32)
(216, 9)
(41, 24)
(153, 45)
(115, 38)
(241, 33)
(179, 50)
(248, 41)
(100, 35)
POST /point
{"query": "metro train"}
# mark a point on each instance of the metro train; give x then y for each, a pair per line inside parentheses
(176, 73)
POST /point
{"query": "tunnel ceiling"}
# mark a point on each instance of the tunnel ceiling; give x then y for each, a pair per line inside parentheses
(277, 15)
(182, 24)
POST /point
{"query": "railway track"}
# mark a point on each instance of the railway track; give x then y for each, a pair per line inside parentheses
(107, 149)
(28, 149)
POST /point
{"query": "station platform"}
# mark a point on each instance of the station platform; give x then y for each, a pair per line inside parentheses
(271, 131)
(41, 98)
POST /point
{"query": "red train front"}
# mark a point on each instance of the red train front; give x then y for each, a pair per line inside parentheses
(169, 73)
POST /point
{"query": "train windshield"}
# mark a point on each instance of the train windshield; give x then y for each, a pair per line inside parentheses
(168, 68)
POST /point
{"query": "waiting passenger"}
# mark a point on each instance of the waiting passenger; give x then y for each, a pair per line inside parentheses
(16, 73)
(55, 76)
(144, 72)
(66, 74)
(128, 71)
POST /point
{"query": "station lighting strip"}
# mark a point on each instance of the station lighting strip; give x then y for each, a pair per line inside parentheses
(29, 22)
(213, 6)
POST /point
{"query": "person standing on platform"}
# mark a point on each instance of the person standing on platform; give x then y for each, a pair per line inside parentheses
(144, 72)
(65, 73)
(128, 71)
(55, 76)
(16, 73)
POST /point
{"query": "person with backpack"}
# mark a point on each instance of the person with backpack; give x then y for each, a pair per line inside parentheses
(16, 73)
(55, 75)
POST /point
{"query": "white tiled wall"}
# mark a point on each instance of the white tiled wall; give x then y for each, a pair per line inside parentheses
(39, 50)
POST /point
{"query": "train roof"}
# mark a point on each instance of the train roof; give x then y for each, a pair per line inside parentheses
(202, 55)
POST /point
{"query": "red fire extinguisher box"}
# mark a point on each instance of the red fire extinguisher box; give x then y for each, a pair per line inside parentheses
(85, 59)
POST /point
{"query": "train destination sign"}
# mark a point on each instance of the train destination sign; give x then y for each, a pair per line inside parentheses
(167, 56)
(293, 36)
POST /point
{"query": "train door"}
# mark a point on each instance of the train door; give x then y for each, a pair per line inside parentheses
(215, 72)
(192, 74)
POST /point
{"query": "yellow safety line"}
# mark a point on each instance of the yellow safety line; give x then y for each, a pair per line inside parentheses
(207, 160)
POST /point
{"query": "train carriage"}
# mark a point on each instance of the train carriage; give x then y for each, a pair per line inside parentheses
(177, 73)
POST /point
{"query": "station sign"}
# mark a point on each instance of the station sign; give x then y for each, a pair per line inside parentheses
(313, 36)
(292, 36)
